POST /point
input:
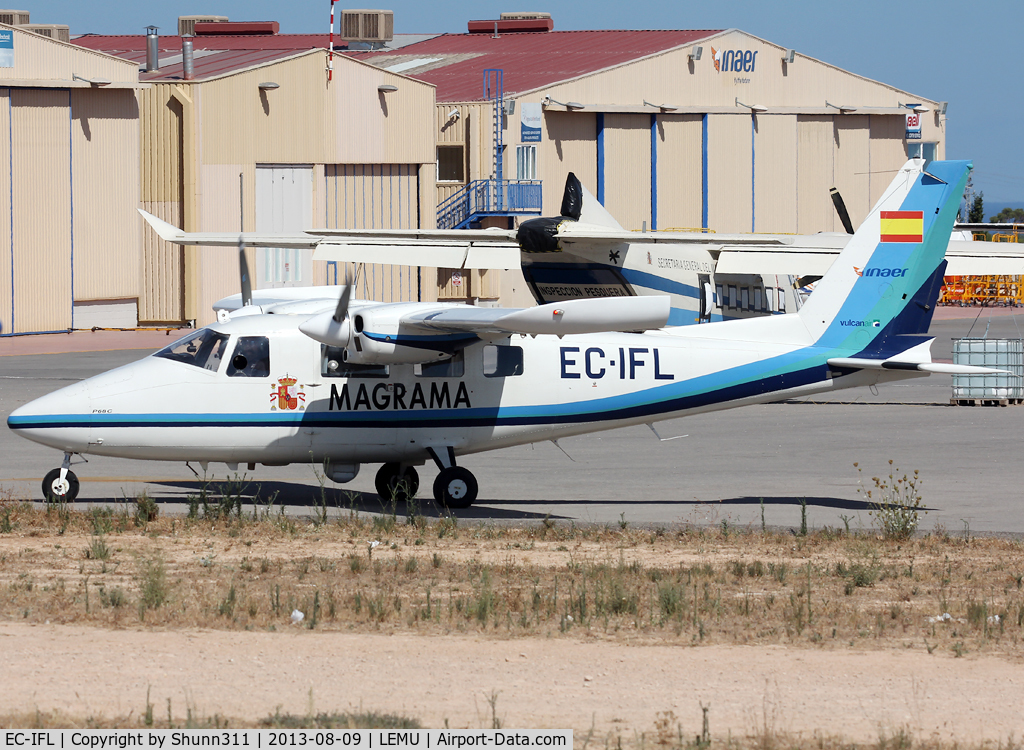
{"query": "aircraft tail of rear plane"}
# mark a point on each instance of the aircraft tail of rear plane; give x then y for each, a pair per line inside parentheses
(878, 297)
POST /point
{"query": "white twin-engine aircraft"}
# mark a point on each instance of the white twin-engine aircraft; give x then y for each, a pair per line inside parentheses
(286, 379)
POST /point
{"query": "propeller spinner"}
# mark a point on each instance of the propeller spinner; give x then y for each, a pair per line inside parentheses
(334, 329)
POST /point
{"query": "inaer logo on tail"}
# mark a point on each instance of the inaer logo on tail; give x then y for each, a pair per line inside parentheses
(716, 56)
(884, 273)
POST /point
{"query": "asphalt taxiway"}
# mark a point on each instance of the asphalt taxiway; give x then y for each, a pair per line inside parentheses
(731, 465)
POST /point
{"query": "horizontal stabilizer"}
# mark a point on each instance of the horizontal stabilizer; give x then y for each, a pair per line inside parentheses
(860, 363)
(558, 318)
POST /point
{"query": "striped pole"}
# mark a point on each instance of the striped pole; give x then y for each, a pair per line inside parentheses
(330, 54)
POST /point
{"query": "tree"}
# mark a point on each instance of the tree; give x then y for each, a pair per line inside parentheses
(977, 212)
(1008, 216)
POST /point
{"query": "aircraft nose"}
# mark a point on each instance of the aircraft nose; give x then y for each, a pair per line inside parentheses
(59, 419)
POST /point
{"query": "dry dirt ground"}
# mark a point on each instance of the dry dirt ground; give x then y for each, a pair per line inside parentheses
(554, 683)
(439, 622)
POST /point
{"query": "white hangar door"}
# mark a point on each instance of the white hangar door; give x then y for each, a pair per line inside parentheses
(284, 203)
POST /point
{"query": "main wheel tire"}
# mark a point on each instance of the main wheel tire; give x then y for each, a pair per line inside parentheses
(54, 491)
(393, 484)
(455, 487)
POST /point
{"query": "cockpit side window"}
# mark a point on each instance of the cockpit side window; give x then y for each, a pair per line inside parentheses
(251, 358)
(203, 348)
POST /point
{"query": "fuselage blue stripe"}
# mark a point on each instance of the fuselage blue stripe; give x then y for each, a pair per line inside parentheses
(650, 281)
(796, 368)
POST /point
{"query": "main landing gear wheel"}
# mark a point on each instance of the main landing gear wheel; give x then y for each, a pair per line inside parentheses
(393, 484)
(455, 487)
(56, 491)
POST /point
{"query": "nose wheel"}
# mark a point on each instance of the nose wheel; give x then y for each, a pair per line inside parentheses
(455, 487)
(58, 488)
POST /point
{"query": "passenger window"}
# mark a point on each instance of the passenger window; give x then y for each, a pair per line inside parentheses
(251, 358)
(745, 298)
(732, 296)
(758, 299)
(782, 300)
(455, 367)
(719, 295)
(333, 366)
(203, 348)
(503, 361)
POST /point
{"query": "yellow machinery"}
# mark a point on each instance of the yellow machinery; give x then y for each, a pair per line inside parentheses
(985, 290)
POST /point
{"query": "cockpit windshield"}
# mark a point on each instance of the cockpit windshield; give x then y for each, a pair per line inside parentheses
(204, 348)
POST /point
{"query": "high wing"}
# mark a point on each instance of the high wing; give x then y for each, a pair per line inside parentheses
(465, 249)
(585, 223)
(814, 254)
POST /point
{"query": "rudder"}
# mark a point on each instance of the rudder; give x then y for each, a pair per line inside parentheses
(886, 280)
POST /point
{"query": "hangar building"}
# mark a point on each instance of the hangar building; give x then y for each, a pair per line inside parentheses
(703, 129)
(69, 165)
(714, 130)
(253, 135)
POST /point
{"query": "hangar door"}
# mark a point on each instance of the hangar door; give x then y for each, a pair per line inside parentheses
(373, 196)
(35, 210)
(284, 203)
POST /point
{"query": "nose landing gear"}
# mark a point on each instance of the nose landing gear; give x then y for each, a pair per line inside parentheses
(61, 485)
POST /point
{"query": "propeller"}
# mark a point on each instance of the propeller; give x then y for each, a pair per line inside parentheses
(243, 270)
(844, 215)
(341, 312)
(333, 329)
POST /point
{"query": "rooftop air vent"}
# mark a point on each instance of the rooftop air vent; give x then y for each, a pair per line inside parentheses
(14, 17)
(237, 28)
(537, 22)
(56, 31)
(374, 27)
(187, 24)
(524, 16)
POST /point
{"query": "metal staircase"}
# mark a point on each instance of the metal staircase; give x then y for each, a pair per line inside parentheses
(496, 196)
(482, 198)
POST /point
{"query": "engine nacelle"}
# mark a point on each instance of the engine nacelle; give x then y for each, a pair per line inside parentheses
(373, 335)
(378, 338)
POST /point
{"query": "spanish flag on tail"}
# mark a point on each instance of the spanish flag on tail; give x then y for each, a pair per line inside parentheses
(902, 226)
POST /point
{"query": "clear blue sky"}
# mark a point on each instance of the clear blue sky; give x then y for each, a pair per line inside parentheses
(968, 54)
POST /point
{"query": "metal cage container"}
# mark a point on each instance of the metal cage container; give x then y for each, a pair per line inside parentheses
(1001, 354)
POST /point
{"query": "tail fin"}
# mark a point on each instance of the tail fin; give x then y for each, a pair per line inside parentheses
(886, 281)
(578, 206)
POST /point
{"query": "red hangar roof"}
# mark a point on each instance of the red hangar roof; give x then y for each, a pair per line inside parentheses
(213, 55)
(455, 62)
